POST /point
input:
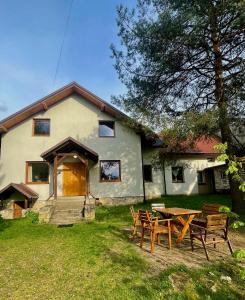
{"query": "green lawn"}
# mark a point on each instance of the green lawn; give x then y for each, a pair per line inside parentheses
(98, 261)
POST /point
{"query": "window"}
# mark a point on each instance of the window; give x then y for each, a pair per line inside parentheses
(148, 173)
(37, 172)
(41, 126)
(110, 170)
(177, 174)
(106, 128)
(200, 177)
(223, 176)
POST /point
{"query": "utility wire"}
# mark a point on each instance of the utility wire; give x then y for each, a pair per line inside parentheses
(63, 41)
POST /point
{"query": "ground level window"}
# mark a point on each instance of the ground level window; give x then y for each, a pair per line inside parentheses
(178, 174)
(37, 172)
(223, 176)
(200, 177)
(110, 170)
(148, 173)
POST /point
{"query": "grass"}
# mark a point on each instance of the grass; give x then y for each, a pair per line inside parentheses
(97, 261)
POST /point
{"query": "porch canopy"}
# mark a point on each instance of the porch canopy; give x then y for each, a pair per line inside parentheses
(69, 145)
(23, 189)
(69, 148)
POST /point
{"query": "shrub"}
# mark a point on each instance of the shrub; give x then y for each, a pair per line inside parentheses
(32, 216)
(3, 223)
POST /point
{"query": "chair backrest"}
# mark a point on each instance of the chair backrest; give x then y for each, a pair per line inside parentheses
(142, 215)
(211, 209)
(217, 222)
(145, 218)
(157, 205)
(132, 211)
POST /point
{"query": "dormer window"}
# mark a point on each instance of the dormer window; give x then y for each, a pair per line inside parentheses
(41, 127)
(106, 129)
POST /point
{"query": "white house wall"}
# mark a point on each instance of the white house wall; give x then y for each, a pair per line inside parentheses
(190, 184)
(77, 118)
(155, 188)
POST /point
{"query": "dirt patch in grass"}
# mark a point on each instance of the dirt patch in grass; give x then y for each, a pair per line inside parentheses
(182, 254)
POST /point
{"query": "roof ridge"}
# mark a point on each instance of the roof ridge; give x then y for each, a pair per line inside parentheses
(54, 97)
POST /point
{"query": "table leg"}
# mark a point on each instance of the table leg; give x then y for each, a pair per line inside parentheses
(174, 229)
(185, 228)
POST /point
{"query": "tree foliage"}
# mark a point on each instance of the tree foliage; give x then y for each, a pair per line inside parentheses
(179, 58)
(183, 63)
(234, 166)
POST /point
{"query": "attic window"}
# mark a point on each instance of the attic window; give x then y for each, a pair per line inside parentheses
(106, 128)
(41, 127)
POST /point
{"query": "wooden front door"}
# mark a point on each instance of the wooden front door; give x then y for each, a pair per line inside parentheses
(74, 179)
(17, 210)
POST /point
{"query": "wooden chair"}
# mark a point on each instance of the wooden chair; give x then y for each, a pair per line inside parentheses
(137, 223)
(157, 205)
(207, 209)
(155, 227)
(215, 231)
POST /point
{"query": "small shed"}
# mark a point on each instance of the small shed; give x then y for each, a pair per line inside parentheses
(17, 197)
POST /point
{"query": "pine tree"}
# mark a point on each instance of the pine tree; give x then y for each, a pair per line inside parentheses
(184, 57)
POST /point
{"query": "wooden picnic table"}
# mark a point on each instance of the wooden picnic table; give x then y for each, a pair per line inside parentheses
(179, 212)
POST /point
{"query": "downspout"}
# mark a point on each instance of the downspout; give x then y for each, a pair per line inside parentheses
(142, 163)
(164, 178)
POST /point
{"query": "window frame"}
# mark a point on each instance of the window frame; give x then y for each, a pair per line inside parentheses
(183, 174)
(110, 160)
(33, 127)
(147, 165)
(27, 172)
(223, 176)
(114, 129)
(203, 178)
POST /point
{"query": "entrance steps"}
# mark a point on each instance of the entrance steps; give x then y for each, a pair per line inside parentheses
(68, 210)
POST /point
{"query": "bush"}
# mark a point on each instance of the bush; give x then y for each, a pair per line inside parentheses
(3, 223)
(32, 216)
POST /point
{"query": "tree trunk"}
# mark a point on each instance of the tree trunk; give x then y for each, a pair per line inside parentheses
(222, 103)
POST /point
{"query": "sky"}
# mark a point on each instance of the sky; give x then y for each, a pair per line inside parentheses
(31, 33)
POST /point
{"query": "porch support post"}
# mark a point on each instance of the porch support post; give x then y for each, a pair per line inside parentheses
(26, 203)
(87, 178)
(55, 177)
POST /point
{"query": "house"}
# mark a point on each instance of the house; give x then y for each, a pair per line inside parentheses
(195, 169)
(71, 148)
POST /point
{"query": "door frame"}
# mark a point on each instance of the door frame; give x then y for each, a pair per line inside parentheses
(82, 165)
(59, 158)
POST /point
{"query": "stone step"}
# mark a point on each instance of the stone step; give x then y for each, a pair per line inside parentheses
(71, 199)
(64, 222)
(59, 206)
(58, 221)
(63, 215)
(68, 210)
(66, 217)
